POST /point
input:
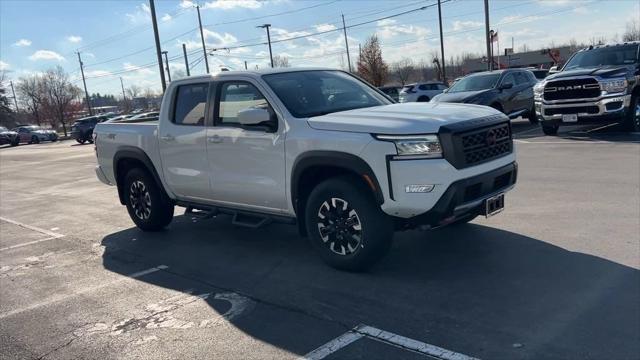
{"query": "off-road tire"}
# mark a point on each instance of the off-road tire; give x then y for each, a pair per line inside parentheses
(149, 208)
(347, 247)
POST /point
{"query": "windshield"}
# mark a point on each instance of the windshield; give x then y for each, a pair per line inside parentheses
(475, 83)
(33, 127)
(318, 92)
(604, 56)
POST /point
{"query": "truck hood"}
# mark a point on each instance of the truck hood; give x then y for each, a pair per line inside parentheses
(400, 119)
(461, 96)
(602, 71)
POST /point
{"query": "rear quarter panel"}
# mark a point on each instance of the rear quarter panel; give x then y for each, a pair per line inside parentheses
(112, 137)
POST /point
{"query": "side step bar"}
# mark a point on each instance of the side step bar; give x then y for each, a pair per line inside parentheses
(243, 218)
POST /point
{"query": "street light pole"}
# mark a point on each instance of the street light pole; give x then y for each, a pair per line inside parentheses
(267, 26)
(15, 100)
(346, 42)
(84, 82)
(166, 59)
(186, 60)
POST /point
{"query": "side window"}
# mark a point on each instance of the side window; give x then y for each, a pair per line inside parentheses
(189, 106)
(508, 79)
(236, 96)
(521, 78)
(423, 87)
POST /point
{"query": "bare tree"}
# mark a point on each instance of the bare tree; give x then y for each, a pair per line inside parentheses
(281, 62)
(5, 109)
(371, 66)
(403, 69)
(134, 91)
(31, 92)
(60, 94)
(632, 32)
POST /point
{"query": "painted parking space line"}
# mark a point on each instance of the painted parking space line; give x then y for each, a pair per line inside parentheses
(386, 337)
(333, 346)
(30, 227)
(63, 297)
(51, 235)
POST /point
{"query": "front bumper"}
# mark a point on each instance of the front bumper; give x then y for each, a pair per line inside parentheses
(610, 108)
(101, 176)
(466, 197)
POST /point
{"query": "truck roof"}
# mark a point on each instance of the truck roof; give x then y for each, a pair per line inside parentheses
(610, 45)
(254, 73)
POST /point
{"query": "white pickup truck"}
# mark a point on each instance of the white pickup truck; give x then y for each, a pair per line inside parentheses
(319, 148)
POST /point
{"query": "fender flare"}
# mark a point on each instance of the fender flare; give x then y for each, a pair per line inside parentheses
(134, 153)
(338, 159)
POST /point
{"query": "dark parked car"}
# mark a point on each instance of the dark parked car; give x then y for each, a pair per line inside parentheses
(540, 74)
(34, 134)
(8, 137)
(509, 90)
(82, 129)
(391, 91)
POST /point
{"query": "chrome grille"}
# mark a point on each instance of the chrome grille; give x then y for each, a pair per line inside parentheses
(584, 88)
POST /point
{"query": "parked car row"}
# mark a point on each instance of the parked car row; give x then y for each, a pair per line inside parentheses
(82, 129)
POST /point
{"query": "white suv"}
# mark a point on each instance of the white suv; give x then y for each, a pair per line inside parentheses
(421, 92)
(315, 147)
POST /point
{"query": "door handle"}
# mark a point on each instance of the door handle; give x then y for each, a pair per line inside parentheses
(214, 139)
(168, 137)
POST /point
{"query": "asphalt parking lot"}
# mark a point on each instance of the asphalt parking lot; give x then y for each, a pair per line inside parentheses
(555, 276)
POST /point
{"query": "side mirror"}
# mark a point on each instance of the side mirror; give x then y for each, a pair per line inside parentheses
(506, 86)
(257, 117)
(253, 116)
(553, 70)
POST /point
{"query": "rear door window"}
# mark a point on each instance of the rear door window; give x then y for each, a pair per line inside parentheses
(236, 96)
(190, 103)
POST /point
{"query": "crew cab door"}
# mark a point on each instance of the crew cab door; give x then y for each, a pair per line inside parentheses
(246, 162)
(182, 141)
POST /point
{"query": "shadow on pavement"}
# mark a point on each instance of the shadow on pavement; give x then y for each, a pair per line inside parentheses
(472, 289)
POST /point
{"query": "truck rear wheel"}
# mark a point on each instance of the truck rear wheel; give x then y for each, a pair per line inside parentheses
(149, 209)
(346, 226)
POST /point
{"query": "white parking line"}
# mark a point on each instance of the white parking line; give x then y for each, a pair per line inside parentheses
(62, 297)
(386, 337)
(52, 235)
(333, 346)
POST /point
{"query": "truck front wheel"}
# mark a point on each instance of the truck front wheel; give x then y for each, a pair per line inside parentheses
(632, 120)
(550, 130)
(149, 209)
(346, 226)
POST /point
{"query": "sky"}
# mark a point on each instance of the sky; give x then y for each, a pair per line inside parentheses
(115, 38)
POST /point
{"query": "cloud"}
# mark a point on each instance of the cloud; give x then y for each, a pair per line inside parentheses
(466, 25)
(3, 66)
(386, 22)
(22, 42)
(74, 38)
(142, 13)
(390, 31)
(97, 73)
(520, 19)
(325, 27)
(231, 4)
(46, 55)
(219, 40)
(166, 17)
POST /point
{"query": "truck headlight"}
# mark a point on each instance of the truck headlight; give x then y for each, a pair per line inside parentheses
(538, 88)
(614, 85)
(420, 146)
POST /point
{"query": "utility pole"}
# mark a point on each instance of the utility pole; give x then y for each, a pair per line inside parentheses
(267, 26)
(245, 65)
(444, 73)
(15, 101)
(124, 96)
(152, 7)
(204, 48)
(346, 43)
(487, 35)
(186, 60)
(86, 93)
(166, 59)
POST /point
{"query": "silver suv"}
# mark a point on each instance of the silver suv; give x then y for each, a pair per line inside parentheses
(421, 92)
